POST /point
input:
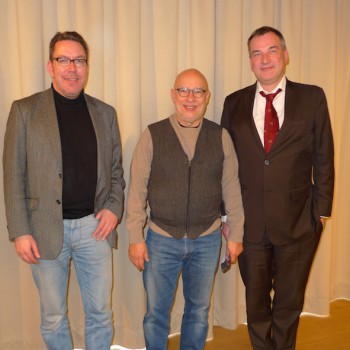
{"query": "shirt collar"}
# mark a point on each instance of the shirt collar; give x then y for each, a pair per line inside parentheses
(281, 85)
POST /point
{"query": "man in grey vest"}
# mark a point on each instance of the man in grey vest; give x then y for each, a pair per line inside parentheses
(184, 167)
(63, 185)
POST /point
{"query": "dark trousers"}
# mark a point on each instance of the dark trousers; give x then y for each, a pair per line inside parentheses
(275, 278)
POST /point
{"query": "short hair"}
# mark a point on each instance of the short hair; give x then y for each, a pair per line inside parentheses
(264, 30)
(73, 36)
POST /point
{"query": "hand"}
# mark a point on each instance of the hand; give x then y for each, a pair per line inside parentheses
(138, 254)
(234, 249)
(27, 249)
(108, 221)
(323, 222)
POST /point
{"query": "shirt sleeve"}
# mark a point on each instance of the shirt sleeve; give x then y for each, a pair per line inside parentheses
(136, 214)
(231, 191)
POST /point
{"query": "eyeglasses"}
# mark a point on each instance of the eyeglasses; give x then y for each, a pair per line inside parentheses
(65, 62)
(184, 92)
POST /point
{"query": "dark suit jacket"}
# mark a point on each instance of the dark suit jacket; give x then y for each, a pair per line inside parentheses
(286, 191)
(33, 171)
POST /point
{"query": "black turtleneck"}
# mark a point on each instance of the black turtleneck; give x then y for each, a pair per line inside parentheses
(79, 156)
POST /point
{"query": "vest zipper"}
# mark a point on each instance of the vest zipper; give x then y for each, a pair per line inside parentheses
(188, 196)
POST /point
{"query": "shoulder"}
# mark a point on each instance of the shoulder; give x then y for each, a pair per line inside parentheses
(159, 126)
(35, 98)
(210, 124)
(309, 96)
(211, 128)
(160, 123)
(240, 93)
(303, 88)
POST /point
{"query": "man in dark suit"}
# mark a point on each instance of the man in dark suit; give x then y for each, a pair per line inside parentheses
(63, 186)
(287, 177)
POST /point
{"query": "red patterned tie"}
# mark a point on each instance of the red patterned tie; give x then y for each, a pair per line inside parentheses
(271, 126)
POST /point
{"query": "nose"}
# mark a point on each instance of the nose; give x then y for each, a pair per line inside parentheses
(71, 66)
(190, 96)
(265, 57)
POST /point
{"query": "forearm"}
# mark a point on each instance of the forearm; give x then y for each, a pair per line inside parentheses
(136, 212)
(323, 156)
(232, 197)
(140, 169)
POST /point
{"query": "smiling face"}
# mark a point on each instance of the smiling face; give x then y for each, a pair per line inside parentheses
(68, 81)
(268, 59)
(190, 110)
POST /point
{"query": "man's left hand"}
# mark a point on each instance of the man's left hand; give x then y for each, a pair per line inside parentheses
(234, 249)
(107, 222)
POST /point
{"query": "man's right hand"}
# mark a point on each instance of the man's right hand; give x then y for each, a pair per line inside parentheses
(27, 249)
(138, 254)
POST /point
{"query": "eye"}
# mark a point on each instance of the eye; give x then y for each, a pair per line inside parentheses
(183, 90)
(198, 92)
(62, 60)
(274, 50)
(80, 62)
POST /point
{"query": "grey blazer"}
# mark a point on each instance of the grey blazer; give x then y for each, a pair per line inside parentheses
(32, 163)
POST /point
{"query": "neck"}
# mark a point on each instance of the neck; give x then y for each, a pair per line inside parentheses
(270, 87)
(186, 124)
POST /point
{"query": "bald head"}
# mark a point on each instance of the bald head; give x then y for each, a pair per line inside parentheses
(190, 75)
(191, 97)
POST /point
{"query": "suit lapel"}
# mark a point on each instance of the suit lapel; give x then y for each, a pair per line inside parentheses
(289, 112)
(289, 105)
(98, 124)
(49, 124)
(248, 111)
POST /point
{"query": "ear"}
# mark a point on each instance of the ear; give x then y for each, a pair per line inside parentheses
(251, 63)
(207, 97)
(286, 57)
(50, 69)
(172, 94)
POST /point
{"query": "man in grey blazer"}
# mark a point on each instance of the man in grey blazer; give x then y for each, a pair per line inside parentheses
(287, 189)
(64, 193)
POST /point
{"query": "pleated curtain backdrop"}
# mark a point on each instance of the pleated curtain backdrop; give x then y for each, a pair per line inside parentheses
(137, 49)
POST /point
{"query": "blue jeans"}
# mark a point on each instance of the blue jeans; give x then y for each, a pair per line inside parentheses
(198, 260)
(93, 264)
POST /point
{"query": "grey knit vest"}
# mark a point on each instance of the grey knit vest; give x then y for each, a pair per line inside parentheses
(185, 197)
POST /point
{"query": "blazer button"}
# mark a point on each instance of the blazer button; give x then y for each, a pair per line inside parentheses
(267, 162)
(58, 201)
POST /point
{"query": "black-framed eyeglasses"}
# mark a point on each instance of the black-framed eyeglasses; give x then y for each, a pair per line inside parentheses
(65, 62)
(184, 92)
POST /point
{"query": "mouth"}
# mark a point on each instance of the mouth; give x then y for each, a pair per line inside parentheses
(190, 108)
(71, 79)
(267, 68)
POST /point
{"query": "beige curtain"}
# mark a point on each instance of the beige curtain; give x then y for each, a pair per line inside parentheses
(137, 48)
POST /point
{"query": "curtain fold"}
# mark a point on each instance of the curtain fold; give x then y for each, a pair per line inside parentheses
(137, 47)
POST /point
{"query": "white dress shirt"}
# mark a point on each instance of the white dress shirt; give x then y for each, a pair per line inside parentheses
(260, 103)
